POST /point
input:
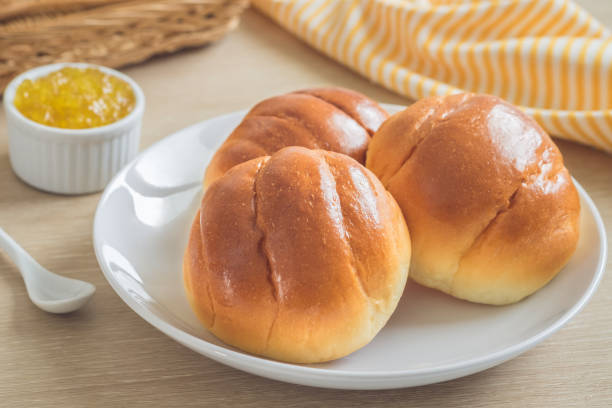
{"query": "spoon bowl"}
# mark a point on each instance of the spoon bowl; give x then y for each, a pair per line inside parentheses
(50, 292)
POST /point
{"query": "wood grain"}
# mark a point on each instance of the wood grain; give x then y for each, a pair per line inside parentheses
(106, 356)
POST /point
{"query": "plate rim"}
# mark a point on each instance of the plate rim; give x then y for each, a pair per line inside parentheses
(242, 360)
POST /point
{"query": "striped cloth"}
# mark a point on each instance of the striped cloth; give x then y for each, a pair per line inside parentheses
(548, 56)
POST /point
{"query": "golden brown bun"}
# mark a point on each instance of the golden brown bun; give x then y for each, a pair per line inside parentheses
(491, 209)
(301, 256)
(334, 119)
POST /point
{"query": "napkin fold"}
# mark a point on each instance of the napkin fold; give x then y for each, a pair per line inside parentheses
(550, 57)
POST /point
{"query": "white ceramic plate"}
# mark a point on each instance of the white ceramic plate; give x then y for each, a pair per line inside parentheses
(140, 232)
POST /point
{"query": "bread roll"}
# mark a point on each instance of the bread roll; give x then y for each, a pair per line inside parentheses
(300, 257)
(491, 209)
(333, 119)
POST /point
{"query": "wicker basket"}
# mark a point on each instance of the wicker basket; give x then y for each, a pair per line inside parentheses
(107, 32)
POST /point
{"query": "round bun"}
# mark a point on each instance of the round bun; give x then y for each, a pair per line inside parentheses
(334, 119)
(492, 211)
(300, 257)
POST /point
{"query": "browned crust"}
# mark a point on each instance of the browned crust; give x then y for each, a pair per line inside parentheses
(333, 119)
(466, 171)
(303, 256)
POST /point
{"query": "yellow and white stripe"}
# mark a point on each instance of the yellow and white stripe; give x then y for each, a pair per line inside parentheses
(548, 56)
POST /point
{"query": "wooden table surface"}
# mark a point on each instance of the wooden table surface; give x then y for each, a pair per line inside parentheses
(105, 355)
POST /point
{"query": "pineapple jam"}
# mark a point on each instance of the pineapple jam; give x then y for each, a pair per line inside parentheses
(75, 98)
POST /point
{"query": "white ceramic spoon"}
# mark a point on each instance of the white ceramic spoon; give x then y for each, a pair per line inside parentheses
(50, 292)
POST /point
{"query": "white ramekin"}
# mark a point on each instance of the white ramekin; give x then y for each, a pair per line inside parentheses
(70, 161)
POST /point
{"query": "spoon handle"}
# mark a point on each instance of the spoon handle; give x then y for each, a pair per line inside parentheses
(15, 252)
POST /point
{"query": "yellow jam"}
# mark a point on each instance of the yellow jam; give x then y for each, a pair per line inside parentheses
(75, 98)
